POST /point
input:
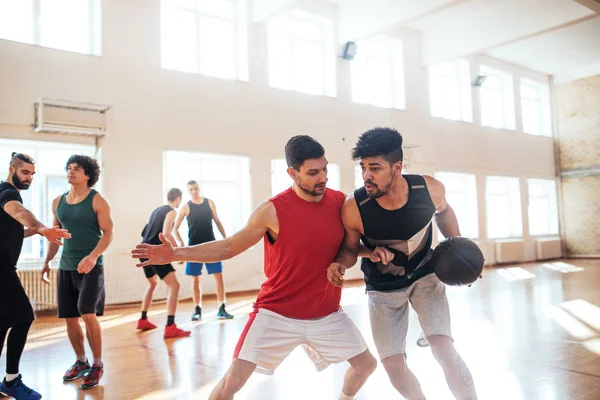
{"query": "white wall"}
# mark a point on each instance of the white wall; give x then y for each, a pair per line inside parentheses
(155, 109)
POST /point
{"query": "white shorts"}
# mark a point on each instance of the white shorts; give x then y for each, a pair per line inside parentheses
(389, 314)
(269, 337)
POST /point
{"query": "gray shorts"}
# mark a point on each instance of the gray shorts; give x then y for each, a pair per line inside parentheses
(389, 314)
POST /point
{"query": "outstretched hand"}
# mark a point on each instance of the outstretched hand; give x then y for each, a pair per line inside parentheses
(154, 254)
(55, 234)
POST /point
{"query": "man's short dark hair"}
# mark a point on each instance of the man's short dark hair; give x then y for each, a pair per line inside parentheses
(89, 164)
(17, 159)
(301, 148)
(174, 194)
(384, 142)
(192, 183)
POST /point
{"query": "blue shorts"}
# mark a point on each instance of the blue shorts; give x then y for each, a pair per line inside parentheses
(195, 269)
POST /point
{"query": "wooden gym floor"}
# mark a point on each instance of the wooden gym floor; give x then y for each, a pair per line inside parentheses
(527, 332)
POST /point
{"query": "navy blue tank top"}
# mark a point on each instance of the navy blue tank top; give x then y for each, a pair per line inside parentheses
(200, 223)
(155, 225)
(407, 232)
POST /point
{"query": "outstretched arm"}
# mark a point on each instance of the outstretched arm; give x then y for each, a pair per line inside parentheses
(213, 208)
(185, 210)
(264, 218)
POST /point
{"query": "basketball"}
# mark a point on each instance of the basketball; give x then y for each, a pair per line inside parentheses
(457, 261)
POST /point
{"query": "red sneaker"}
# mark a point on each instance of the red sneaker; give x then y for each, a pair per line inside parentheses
(174, 332)
(92, 379)
(145, 325)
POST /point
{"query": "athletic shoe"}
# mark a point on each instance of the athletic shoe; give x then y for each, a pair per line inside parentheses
(77, 370)
(145, 325)
(92, 379)
(222, 314)
(172, 331)
(197, 315)
(19, 390)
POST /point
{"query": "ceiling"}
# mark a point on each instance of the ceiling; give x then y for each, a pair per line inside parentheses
(556, 37)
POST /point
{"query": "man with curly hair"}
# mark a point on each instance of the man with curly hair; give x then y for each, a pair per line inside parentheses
(86, 214)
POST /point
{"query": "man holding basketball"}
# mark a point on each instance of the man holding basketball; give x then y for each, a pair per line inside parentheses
(393, 214)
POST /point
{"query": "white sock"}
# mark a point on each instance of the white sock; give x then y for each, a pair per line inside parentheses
(81, 358)
(221, 303)
(98, 361)
(199, 304)
(345, 397)
(11, 377)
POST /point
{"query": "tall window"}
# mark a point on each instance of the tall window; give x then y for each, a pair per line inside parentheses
(543, 210)
(205, 36)
(280, 180)
(497, 99)
(378, 73)
(461, 194)
(301, 53)
(450, 91)
(535, 108)
(49, 182)
(503, 207)
(72, 25)
(224, 179)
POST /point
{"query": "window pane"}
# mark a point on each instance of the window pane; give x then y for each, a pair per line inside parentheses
(222, 178)
(450, 90)
(360, 79)
(281, 62)
(179, 40)
(16, 20)
(217, 47)
(491, 108)
(461, 194)
(542, 209)
(218, 8)
(380, 74)
(65, 25)
(503, 207)
(531, 116)
(308, 60)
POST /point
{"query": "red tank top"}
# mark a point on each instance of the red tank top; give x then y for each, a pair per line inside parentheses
(310, 235)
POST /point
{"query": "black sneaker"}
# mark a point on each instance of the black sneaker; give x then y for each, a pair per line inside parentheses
(222, 314)
(197, 315)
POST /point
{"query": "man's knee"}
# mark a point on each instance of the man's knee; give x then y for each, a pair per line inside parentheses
(366, 364)
(443, 350)
(395, 365)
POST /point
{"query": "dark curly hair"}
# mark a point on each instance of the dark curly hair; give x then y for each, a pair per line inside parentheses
(89, 164)
(385, 142)
(301, 148)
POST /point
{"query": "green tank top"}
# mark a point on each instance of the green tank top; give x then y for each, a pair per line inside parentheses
(82, 223)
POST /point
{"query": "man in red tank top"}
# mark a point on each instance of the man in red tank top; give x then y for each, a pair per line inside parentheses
(296, 304)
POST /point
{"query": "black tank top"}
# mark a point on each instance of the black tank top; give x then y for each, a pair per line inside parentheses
(200, 223)
(407, 232)
(155, 225)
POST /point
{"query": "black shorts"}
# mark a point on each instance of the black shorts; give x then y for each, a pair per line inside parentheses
(14, 303)
(80, 294)
(160, 270)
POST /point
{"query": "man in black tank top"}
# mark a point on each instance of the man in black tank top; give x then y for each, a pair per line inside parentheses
(161, 221)
(392, 215)
(200, 213)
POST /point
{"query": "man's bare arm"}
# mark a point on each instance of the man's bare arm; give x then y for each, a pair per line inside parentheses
(445, 218)
(185, 210)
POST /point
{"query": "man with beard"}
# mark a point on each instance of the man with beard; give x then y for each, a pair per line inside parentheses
(16, 312)
(302, 232)
(80, 287)
(392, 215)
